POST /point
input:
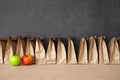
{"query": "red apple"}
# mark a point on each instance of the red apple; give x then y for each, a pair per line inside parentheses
(27, 60)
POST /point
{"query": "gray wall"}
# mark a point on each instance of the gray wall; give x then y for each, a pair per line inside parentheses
(60, 18)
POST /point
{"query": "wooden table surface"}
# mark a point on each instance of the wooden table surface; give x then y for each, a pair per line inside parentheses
(60, 72)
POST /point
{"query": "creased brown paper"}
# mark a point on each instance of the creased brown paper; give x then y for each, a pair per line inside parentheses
(83, 53)
(39, 51)
(10, 48)
(20, 49)
(51, 52)
(93, 54)
(114, 51)
(119, 48)
(71, 52)
(30, 48)
(3, 43)
(103, 51)
(61, 52)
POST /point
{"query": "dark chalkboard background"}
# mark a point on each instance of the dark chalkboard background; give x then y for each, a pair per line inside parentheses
(60, 18)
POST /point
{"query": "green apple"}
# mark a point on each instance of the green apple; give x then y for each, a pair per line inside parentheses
(15, 60)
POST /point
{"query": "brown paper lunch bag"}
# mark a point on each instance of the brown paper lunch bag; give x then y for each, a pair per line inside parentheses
(93, 53)
(83, 52)
(71, 52)
(21, 44)
(103, 51)
(10, 48)
(39, 51)
(119, 47)
(51, 52)
(114, 51)
(61, 52)
(3, 42)
(30, 45)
